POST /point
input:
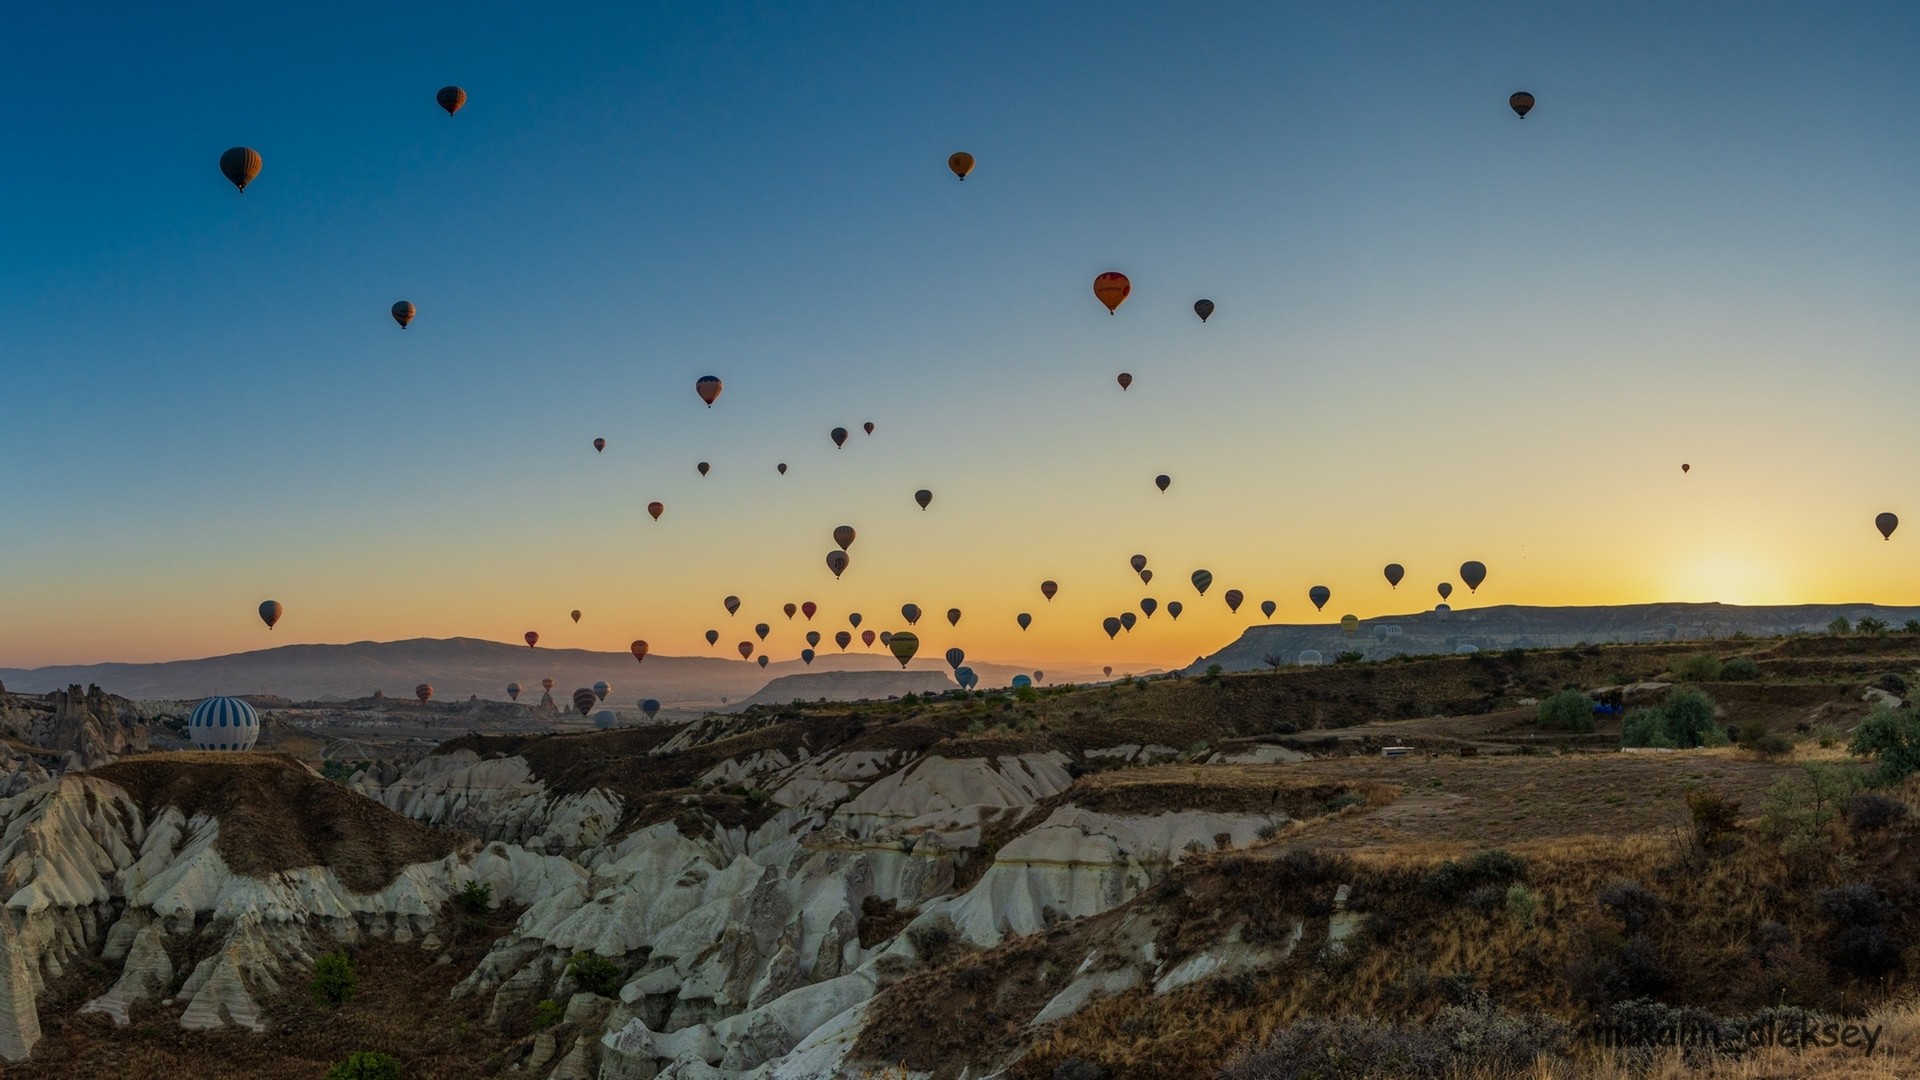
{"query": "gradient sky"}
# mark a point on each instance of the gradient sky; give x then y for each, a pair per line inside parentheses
(1443, 333)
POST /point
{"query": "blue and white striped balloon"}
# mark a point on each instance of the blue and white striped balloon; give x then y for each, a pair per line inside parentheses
(224, 723)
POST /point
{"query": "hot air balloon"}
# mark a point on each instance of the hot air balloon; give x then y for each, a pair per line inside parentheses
(270, 612)
(746, 650)
(953, 616)
(911, 613)
(808, 610)
(843, 535)
(451, 98)
(713, 637)
(956, 657)
(1234, 598)
(1684, 467)
(1319, 594)
(781, 468)
(866, 638)
(1146, 576)
(1446, 589)
(813, 637)
(599, 445)
(1125, 380)
(1112, 288)
(790, 609)
(837, 562)
(1039, 676)
(923, 497)
(703, 468)
(806, 657)
(533, 638)
(1138, 562)
(966, 677)
(1162, 481)
(903, 646)
(867, 427)
(885, 637)
(240, 165)
(763, 660)
(1268, 607)
(708, 387)
(1111, 625)
(1025, 620)
(403, 313)
(639, 649)
(1048, 589)
(761, 630)
(656, 509)
(1886, 523)
(843, 639)
(1174, 608)
(576, 615)
(732, 604)
(1473, 573)
(853, 620)
(1521, 103)
(513, 691)
(1021, 682)
(584, 700)
(649, 706)
(423, 692)
(839, 436)
(1203, 308)
(1127, 621)
(546, 684)
(601, 689)
(1394, 573)
(1149, 605)
(961, 164)
(1349, 623)
(1106, 671)
(1201, 580)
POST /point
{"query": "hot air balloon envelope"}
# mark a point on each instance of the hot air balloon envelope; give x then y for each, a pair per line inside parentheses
(1473, 573)
(240, 165)
(903, 646)
(639, 649)
(403, 313)
(1319, 594)
(961, 164)
(1394, 573)
(923, 497)
(1112, 289)
(708, 387)
(1886, 523)
(1521, 103)
(270, 612)
(1203, 308)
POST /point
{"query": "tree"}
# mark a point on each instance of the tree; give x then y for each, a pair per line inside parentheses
(1568, 710)
(1876, 627)
(1891, 737)
(333, 980)
(1839, 626)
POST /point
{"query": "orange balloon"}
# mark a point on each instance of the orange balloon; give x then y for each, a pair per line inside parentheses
(639, 651)
(1112, 288)
(961, 164)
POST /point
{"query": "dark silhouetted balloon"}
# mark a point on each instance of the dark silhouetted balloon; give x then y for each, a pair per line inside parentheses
(1234, 598)
(423, 692)
(843, 639)
(656, 509)
(1138, 562)
(867, 427)
(1886, 523)
(923, 497)
(961, 164)
(1162, 481)
(1125, 380)
(956, 657)
(1112, 289)
(1349, 623)
(1268, 607)
(1025, 620)
(903, 646)
(885, 637)
(762, 630)
(513, 691)
(809, 609)
(732, 604)
(1048, 588)
(1319, 594)
(1684, 467)
(911, 613)
(713, 637)
(953, 616)
(1146, 576)
(1106, 671)
(1127, 621)
(1111, 625)
(576, 614)
(703, 468)
(639, 651)
(599, 445)
(813, 637)
(533, 638)
(270, 612)
(837, 562)
(1521, 103)
(1149, 605)
(708, 387)
(781, 468)
(650, 707)
(966, 677)
(854, 620)
(806, 657)
(746, 650)
(451, 98)
(839, 436)
(763, 661)
(403, 313)
(240, 165)
(1446, 589)
(1395, 572)
(1201, 581)
(601, 689)
(790, 610)
(1174, 608)
(1203, 308)
(583, 700)
(1473, 573)
(843, 535)
(866, 638)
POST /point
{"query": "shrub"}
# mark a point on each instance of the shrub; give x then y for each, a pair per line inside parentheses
(1645, 727)
(1772, 746)
(1521, 904)
(1715, 817)
(1891, 737)
(1214, 671)
(1739, 669)
(1839, 626)
(595, 974)
(1456, 879)
(1876, 627)
(1699, 667)
(1866, 952)
(1689, 716)
(1857, 903)
(547, 1013)
(1892, 683)
(333, 980)
(1867, 812)
(1568, 710)
(1827, 736)
(366, 1065)
(1912, 626)
(1350, 656)
(474, 898)
(1026, 695)
(1630, 902)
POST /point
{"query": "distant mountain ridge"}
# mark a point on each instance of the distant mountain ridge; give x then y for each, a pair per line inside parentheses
(458, 668)
(1508, 626)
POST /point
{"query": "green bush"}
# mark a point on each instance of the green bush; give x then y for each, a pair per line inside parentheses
(333, 981)
(1350, 656)
(1839, 626)
(475, 898)
(1026, 695)
(1521, 904)
(1700, 667)
(1827, 735)
(1876, 627)
(1891, 737)
(366, 1065)
(1645, 727)
(595, 974)
(1684, 720)
(1568, 710)
(547, 1013)
(1739, 669)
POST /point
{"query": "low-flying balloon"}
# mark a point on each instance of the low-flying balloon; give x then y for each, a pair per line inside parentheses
(1106, 671)
(837, 562)
(853, 620)
(961, 163)
(240, 165)
(843, 535)
(763, 660)
(1394, 573)
(513, 691)
(1886, 523)
(903, 646)
(403, 312)
(270, 612)
(1201, 580)
(601, 689)
(423, 692)
(806, 657)
(813, 637)
(639, 650)
(532, 637)
(546, 684)
(843, 639)
(955, 657)
(1268, 607)
(584, 700)
(1319, 594)
(923, 497)
(746, 650)
(713, 637)
(1521, 102)
(1349, 623)
(1473, 573)
(650, 707)
(1112, 289)
(761, 630)
(451, 98)
(866, 638)
(1445, 590)
(708, 387)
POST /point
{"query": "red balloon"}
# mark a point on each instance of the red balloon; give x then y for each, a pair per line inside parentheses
(656, 509)
(533, 638)
(639, 651)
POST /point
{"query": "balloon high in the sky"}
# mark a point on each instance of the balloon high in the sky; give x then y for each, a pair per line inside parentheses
(451, 98)
(1521, 102)
(790, 609)
(1149, 605)
(1684, 467)
(1125, 380)
(703, 468)
(762, 630)
(403, 312)
(713, 637)
(837, 562)
(839, 436)
(1174, 608)
(240, 166)
(1886, 523)
(1473, 573)
(806, 657)
(708, 387)
(953, 616)
(1111, 625)
(1445, 590)
(1319, 594)
(639, 650)
(1394, 573)
(599, 445)
(1235, 598)
(576, 615)
(843, 535)
(813, 637)
(955, 657)
(1138, 562)
(1203, 308)
(270, 612)
(656, 509)
(781, 468)
(1112, 288)
(923, 497)
(911, 613)
(1128, 620)
(1202, 579)
(532, 637)
(903, 646)
(746, 649)
(732, 604)
(1146, 577)
(867, 427)
(853, 620)
(1048, 589)
(866, 638)
(1025, 620)
(1267, 608)
(961, 163)
(808, 610)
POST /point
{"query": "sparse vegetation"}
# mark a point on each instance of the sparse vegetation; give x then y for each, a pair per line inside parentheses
(1891, 738)
(595, 974)
(546, 1013)
(333, 983)
(1701, 667)
(474, 898)
(366, 1065)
